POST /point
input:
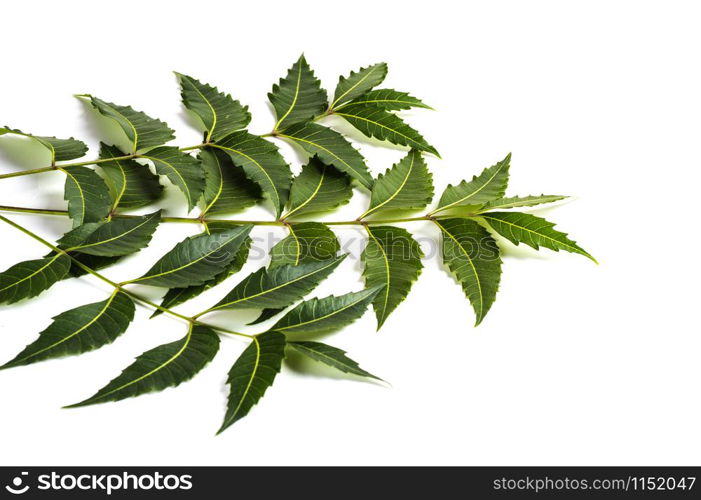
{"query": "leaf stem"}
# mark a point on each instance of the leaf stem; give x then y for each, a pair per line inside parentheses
(27, 172)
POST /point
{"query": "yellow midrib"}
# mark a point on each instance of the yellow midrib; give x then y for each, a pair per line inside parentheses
(294, 99)
(467, 197)
(108, 240)
(33, 274)
(399, 190)
(250, 381)
(352, 87)
(389, 276)
(321, 318)
(257, 164)
(574, 249)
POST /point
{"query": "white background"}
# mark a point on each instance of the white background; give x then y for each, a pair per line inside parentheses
(575, 364)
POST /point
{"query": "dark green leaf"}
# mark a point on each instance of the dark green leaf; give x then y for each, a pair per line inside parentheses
(389, 99)
(30, 278)
(331, 356)
(298, 97)
(59, 149)
(487, 186)
(132, 185)
(265, 315)
(92, 261)
(358, 83)
(520, 201)
(181, 169)
(87, 196)
(318, 188)
(307, 242)
(227, 189)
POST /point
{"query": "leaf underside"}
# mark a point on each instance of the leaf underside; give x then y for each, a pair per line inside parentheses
(59, 149)
(331, 356)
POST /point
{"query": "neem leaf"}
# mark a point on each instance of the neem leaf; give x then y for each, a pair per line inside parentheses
(60, 149)
(30, 278)
(227, 189)
(131, 184)
(182, 169)
(392, 260)
(473, 257)
(141, 130)
(167, 365)
(327, 314)
(520, 201)
(331, 148)
(534, 231)
(252, 374)
(377, 123)
(307, 242)
(80, 330)
(391, 100)
(220, 114)
(485, 187)
(195, 260)
(358, 83)
(331, 356)
(265, 315)
(298, 97)
(87, 195)
(318, 188)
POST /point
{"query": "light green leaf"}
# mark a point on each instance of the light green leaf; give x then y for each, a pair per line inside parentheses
(131, 184)
(377, 123)
(87, 195)
(358, 83)
(391, 100)
(331, 356)
(252, 374)
(227, 189)
(326, 315)
(167, 365)
(307, 242)
(59, 149)
(79, 330)
(262, 163)
(392, 260)
(220, 114)
(331, 148)
(181, 169)
(318, 188)
(520, 201)
(298, 97)
(473, 257)
(534, 231)
(29, 278)
(487, 186)
(195, 260)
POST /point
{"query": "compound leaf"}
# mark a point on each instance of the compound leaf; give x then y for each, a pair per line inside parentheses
(29, 278)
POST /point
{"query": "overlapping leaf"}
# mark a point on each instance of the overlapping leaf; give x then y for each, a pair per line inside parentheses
(182, 169)
(391, 100)
(87, 195)
(131, 184)
(358, 83)
(29, 278)
(227, 189)
(520, 201)
(307, 242)
(317, 188)
(59, 149)
(331, 356)
(488, 186)
(298, 97)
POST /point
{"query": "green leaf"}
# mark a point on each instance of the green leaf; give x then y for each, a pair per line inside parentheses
(298, 97)
(120, 236)
(195, 260)
(392, 260)
(59, 149)
(167, 365)
(141, 130)
(30, 278)
(278, 287)
(534, 231)
(377, 123)
(252, 374)
(79, 330)
(220, 114)
(327, 314)
(331, 356)
(488, 186)
(265, 315)
(181, 169)
(520, 201)
(318, 188)
(390, 100)
(358, 83)
(227, 189)
(331, 148)
(408, 185)
(131, 184)
(473, 257)
(307, 242)
(87, 195)
(263, 164)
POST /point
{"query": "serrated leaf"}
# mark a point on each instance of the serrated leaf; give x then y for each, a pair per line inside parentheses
(252, 374)
(262, 163)
(167, 365)
(219, 112)
(520, 201)
(131, 184)
(392, 260)
(278, 287)
(298, 97)
(227, 189)
(29, 278)
(390, 100)
(325, 315)
(318, 188)
(358, 83)
(377, 123)
(195, 260)
(79, 330)
(59, 149)
(307, 242)
(331, 148)
(487, 186)
(183, 170)
(473, 257)
(331, 356)
(534, 231)
(87, 195)
(408, 185)
(121, 236)
(141, 130)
